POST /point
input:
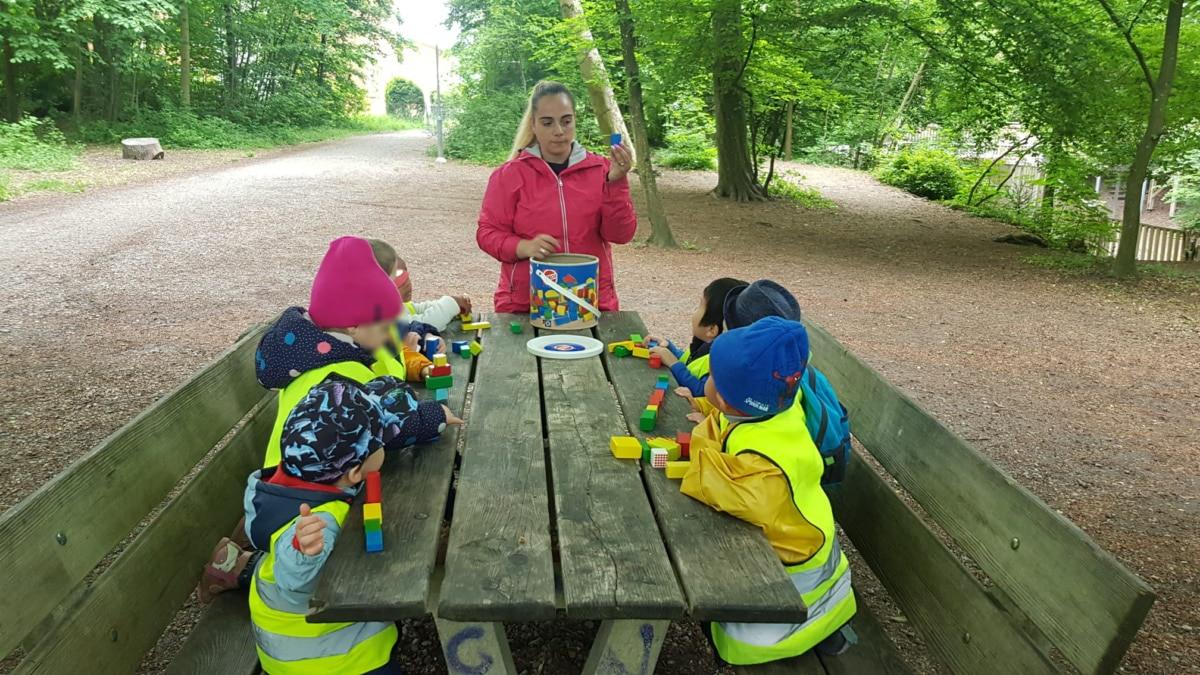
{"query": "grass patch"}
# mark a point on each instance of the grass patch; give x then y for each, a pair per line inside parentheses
(54, 185)
(808, 197)
(35, 145)
(181, 129)
(1090, 266)
(5, 181)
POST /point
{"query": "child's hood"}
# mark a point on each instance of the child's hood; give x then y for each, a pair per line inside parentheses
(270, 506)
(295, 345)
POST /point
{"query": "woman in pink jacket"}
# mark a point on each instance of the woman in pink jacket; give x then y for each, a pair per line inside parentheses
(554, 196)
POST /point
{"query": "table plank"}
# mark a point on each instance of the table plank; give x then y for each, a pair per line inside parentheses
(416, 484)
(614, 564)
(499, 564)
(728, 570)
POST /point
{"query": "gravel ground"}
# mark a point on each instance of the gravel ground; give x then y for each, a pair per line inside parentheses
(1083, 390)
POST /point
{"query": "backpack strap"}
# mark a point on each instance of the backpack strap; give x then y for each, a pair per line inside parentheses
(812, 386)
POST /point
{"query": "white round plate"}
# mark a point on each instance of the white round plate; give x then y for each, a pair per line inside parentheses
(564, 347)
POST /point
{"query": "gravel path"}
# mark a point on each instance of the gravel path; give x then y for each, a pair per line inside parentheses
(1083, 390)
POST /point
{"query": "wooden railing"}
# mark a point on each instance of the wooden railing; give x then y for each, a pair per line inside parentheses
(1158, 244)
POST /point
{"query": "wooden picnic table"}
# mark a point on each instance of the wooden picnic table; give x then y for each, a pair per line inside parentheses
(534, 518)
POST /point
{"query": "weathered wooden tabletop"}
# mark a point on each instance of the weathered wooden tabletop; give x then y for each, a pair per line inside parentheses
(544, 522)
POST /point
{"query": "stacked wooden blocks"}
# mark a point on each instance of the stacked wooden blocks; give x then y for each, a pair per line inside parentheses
(462, 348)
(440, 379)
(373, 514)
(649, 417)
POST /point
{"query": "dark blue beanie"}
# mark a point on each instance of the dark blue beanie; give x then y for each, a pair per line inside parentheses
(330, 431)
(746, 304)
(757, 369)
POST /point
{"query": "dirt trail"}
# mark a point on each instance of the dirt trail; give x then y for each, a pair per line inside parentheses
(1083, 391)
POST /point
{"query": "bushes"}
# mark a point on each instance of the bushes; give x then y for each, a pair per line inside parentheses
(36, 145)
(690, 130)
(404, 99)
(483, 127)
(932, 174)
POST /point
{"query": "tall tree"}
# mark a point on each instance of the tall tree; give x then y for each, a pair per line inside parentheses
(1125, 264)
(185, 55)
(660, 234)
(595, 75)
(735, 171)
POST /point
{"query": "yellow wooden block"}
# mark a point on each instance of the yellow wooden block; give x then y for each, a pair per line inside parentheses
(625, 343)
(677, 470)
(372, 511)
(478, 325)
(641, 352)
(440, 360)
(667, 444)
(652, 408)
(625, 447)
(475, 347)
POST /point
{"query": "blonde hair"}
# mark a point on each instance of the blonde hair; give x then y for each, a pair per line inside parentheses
(385, 255)
(524, 137)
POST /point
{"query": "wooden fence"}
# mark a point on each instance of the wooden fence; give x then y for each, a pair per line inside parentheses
(1158, 244)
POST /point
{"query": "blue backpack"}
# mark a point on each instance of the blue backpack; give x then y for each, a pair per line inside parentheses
(828, 424)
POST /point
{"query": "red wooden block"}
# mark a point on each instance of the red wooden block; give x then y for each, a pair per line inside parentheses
(374, 488)
(657, 397)
(439, 371)
(685, 444)
(655, 361)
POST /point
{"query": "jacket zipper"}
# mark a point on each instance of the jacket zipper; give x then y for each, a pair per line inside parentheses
(562, 205)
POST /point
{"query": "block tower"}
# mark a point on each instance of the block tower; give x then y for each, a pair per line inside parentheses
(373, 514)
(440, 380)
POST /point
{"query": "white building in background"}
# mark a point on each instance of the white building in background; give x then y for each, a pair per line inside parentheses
(417, 63)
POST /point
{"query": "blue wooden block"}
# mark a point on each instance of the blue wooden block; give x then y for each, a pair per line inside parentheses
(441, 395)
(458, 345)
(374, 541)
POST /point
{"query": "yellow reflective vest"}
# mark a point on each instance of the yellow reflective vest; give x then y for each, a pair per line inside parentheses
(385, 364)
(823, 580)
(289, 645)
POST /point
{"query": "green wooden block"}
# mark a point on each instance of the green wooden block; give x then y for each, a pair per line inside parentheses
(515, 327)
(636, 338)
(372, 525)
(465, 352)
(645, 449)
(621, 352)
(648, 420)
(442, 382)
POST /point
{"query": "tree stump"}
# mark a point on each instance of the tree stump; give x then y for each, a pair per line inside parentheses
(141, 148)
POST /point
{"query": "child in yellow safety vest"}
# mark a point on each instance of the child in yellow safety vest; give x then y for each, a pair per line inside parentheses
(342, 333)
(754, 459)
(331, 440)
(690, 366)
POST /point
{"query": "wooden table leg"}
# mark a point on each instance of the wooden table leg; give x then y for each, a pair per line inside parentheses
(477, 648)
(625, 647)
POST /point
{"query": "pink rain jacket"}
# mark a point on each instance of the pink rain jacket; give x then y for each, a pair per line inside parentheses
(579, 207)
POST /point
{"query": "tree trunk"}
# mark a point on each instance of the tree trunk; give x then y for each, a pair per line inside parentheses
(141, 148)
(1131, 220)
(77, 87)
(12, 104)
(735, 173)
(595, 75)
(185, 56)
(787, 138)
(230, 58)
(660, 232)
(912, 89)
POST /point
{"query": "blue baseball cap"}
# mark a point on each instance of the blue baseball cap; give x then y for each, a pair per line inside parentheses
(757, 369)
(746, 304)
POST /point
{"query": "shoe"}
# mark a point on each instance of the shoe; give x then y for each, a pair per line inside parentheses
(834, 645)
(221, 573)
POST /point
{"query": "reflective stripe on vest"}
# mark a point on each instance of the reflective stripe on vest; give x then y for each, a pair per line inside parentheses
(824, 580)
(291, 396)
(288, 645)
(410, 308)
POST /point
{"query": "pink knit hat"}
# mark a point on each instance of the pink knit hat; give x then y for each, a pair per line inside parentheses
(350, 288)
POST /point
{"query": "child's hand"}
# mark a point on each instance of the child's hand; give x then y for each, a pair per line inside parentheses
(450, 417)
(426, 372)
(656, 339)
(464, 303)
(684, 392)
(665, 354)
(696, 417)
(310, 539)
(412, 341)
